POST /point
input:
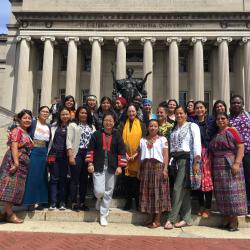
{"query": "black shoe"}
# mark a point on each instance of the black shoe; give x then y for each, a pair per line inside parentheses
(84, 207)
(128, 205)
(75, 207)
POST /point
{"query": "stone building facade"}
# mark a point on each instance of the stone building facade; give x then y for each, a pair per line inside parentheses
(196, 49)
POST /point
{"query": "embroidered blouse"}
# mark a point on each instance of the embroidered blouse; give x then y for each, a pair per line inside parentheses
(182, 138)
(86, 132)
(156, 152)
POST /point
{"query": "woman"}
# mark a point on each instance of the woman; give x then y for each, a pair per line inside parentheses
(132, 131)
(91, 103)
(240, 119)
(105, 157)
(58, 162)
(153, 176)
(105, 107)
(229, 185)
(78, 137)
(15, 165)
(171, 104)
(207, 129)
(185, 149)
(147, 108)
(219, 107)
(36, 191)
(70, 104)
(190, 108)
(164, 126)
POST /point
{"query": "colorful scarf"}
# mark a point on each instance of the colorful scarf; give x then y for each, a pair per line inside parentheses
(131, 138)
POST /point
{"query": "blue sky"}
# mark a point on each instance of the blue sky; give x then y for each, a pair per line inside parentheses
(4, 15)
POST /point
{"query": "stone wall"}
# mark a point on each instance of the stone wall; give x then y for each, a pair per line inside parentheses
(137, 5)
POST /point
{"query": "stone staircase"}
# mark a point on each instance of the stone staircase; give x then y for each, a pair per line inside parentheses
(117, 215)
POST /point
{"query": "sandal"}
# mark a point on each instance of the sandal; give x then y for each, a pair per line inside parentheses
(182, 224)
(12, 218)
(168, 225)
(154, 225)
(205, 214)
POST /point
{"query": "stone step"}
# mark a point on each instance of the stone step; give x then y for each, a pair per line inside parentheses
(117, 215)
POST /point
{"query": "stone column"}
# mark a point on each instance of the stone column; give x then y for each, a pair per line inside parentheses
(173, 68)
(95, 77)
(48, 56)
(23, 73)
(148, 63)
(224, 81)
(71, 65)
(198, 69)
(246, 41)
(121, 57)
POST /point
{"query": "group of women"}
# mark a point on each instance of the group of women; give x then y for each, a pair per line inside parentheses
(162, 158)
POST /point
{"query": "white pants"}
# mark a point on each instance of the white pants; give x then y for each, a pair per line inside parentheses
(104, 184)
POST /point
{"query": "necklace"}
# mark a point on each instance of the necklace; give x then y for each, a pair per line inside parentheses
(150, 141)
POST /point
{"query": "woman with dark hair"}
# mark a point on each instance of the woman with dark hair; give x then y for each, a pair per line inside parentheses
(164, 126)
(78, 137)
(185, 153)
(153, 175)
(70, 104)
(229, 185)
(105, 107)
(219, 107)
(190, 108)
(171, 105)
(36, 190)
(208, 129)
(132, 130)
(105, 158)
(14, 167)
(58, 161)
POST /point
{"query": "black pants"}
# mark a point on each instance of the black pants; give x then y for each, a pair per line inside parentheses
(205, 199)
(133, 189)
(79, 178)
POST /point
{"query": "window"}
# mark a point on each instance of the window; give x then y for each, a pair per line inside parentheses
(64, 60)
(40, 60)
(86, 61)
(206, 61)
(85, 93)
(207, 100)
(134, 57)
(183, 65)
(183, 98)
(62, 94)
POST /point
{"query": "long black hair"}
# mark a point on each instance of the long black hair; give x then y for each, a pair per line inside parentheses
(214, 112)
(59, 121)
(89, 116)
(66, 99)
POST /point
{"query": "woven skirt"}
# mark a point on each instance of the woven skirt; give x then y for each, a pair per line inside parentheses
(154, 188)
(12, 186)
(229, 190)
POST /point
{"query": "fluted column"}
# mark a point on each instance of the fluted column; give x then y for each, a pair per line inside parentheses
(121, 57)
(246, 42)
(224, 81)
(198, 69)
(95, 77)
(71, 65)
(23, 73)
(148, 63)
(48, 57)
(173, 68)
